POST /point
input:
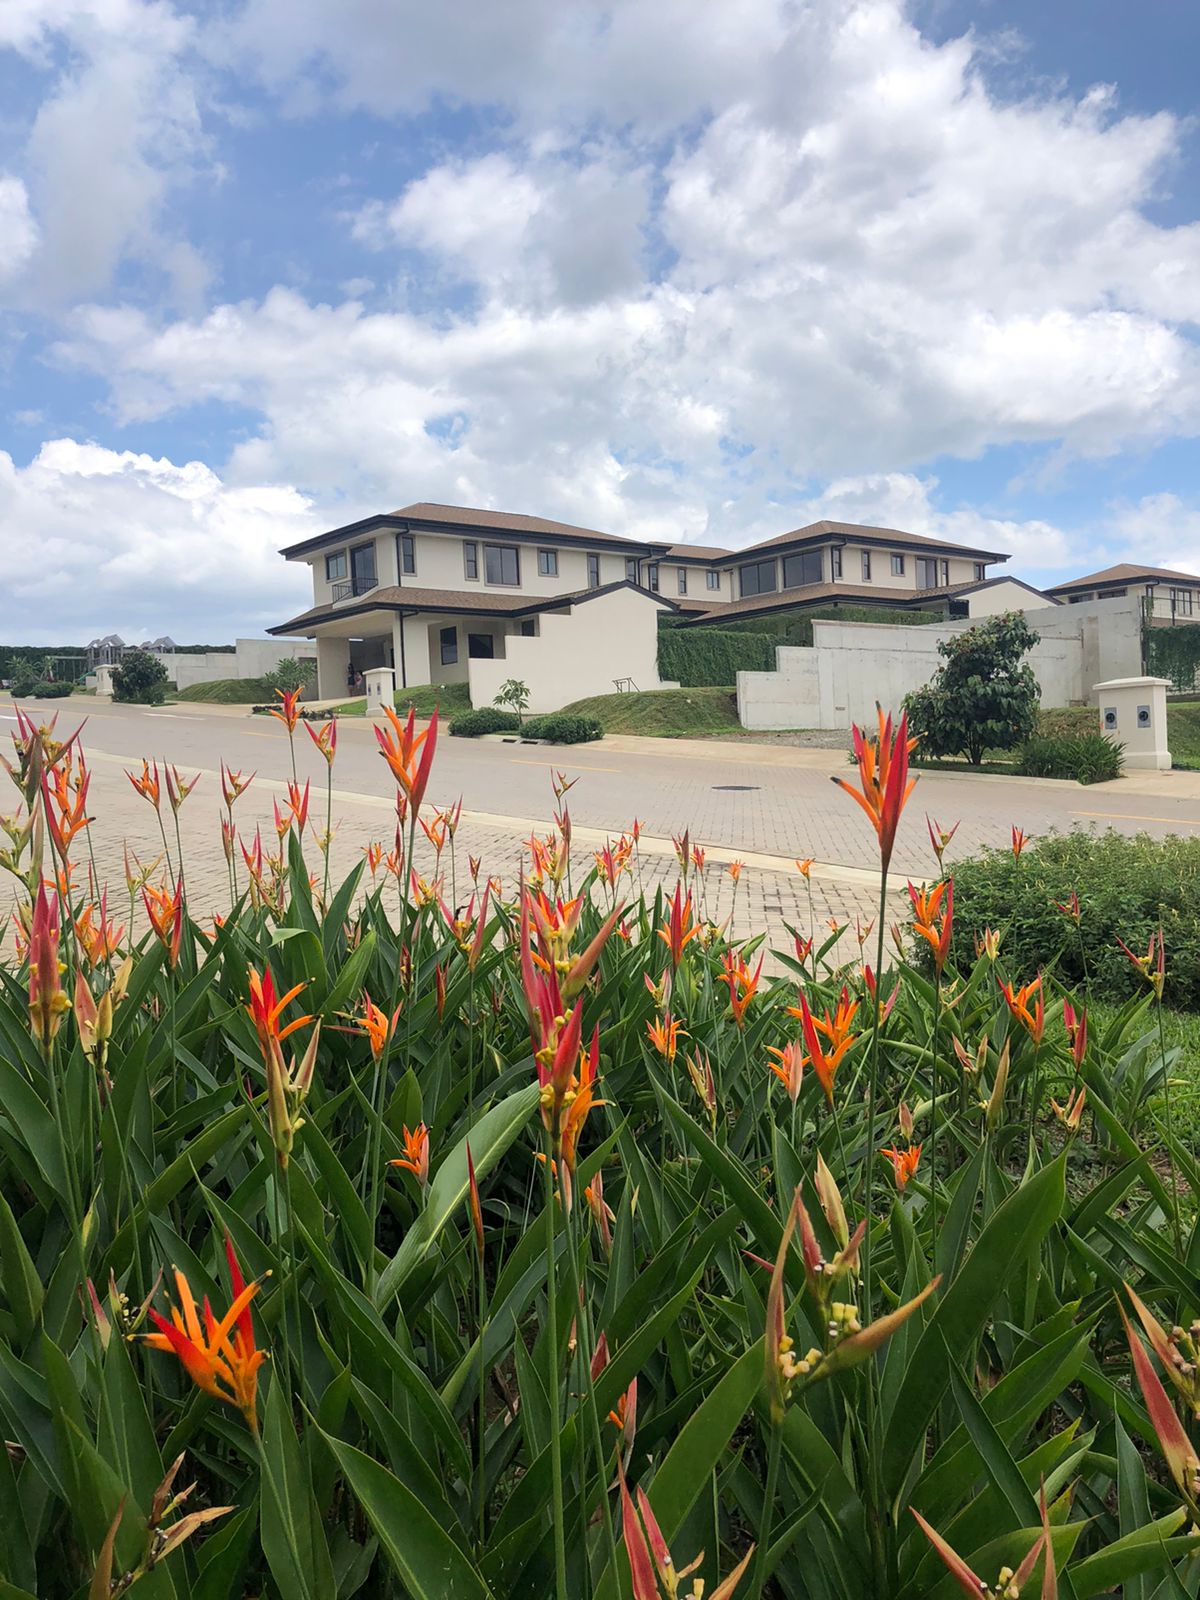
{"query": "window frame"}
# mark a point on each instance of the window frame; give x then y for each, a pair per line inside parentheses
(835, 563)
(712, 580)
(980, 572)
(652, 579)
(408, 555)
(547, 563)
(358, 549)
(632, 574)
(682, 580)
(471, 560)
(500, 550)
(758, 567)
(804, 556)
(450, 645)
(593, 569)
(337, 577)
(897, 564)
(474, 654)
(866, 565)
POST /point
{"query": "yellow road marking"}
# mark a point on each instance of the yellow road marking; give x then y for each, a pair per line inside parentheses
(524, 761)
(1133, 816)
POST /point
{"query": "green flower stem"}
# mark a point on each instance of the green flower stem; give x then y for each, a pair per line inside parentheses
(552, 1375)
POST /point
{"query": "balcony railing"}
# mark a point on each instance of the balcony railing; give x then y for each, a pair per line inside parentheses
(342, 590)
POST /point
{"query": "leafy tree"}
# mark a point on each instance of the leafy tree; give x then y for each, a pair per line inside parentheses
(140, 679)
(514, 696)
(984, 698)
(290, 673)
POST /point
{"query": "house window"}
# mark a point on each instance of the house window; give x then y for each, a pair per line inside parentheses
(448, 638)
(683, 580)
(803, 568)
(547, 563)
(631, 568)
(980, 572)
(897, 566)
(835, 562)
(362, 568)
(481, 646)
(652, 577)
(408, 554)
(866, 566)
(758, 577)
(471, 560)
(502, 564)
(1181, 602)
(529, 628)
(335, 566)
(931, 574)
(593, 570)
(943, 572)
(713, 579)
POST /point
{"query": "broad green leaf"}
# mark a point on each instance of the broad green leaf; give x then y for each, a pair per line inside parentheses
(293, 1538)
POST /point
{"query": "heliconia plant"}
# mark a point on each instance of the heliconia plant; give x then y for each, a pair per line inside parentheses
(544, 1239)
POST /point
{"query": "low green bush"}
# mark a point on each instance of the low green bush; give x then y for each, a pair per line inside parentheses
(1089, 757)
(562, 727)
(1126, 887)
(141, 679)
(488, 719)
(46, 689)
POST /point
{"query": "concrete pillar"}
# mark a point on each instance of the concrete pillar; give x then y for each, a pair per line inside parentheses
(333, 662)
(104, 683)
(381, 688)
(1133, 712)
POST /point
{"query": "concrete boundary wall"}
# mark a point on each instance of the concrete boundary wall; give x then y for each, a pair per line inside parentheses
(852, 665)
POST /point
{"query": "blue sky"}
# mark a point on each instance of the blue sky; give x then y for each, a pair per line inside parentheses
(701, 272)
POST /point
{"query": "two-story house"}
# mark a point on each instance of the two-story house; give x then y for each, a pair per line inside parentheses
(450, 594)
(445, 594)
(1168, 597)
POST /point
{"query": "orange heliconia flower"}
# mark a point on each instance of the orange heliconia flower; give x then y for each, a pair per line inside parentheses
(409, 754)
(735, 870)
(804, 867)
(416, 1153)
(665, 1033)
(233, 785)
(178, 788)
(265, 1009)
(883, 778)
(741, 983)
(827, 1058)
(1075, 1023)
(1019, 840)
(99, 938)
(1153, 965)
(65, 790)
(325, 738)
(1018, 1001)
(288, 711)
(165, 911)
(376, 1024)
(580, 1101)
(940, 837)
(147, 784)
(904, 1163)
(789, 1067)
(927, 906)
(679, 929)
(47, 1002)
(220, 1357)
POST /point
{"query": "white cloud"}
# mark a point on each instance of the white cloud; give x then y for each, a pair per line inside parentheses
(18, 231)
(116, 542)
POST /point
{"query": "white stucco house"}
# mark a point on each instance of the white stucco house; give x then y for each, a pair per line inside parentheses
(444, 594)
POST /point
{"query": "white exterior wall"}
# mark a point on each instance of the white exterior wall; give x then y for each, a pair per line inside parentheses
(853, 665)
(385, 564)
(439, 563)
(1005, 596)
(577, 653)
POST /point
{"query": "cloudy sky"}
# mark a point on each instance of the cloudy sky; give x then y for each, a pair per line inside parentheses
(701, 269)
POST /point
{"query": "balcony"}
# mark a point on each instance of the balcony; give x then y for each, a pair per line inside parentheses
(350, 589)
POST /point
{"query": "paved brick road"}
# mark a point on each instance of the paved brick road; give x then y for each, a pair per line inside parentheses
(763, 803)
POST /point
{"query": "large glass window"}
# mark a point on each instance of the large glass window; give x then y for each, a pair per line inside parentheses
(548, 563)
(631, 568)
(448, 638)
(757, 577)
(470, 559)
(683, 580)
(652, 577)
(897, 566)
(335, 566)
(481, 646)
(502, 564)
(593, 570)
(803, 568)
(835, 562)
(408, 554)
(362, 568)
(931, 574)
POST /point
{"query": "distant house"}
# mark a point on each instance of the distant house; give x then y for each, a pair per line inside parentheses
(1170, 596)
(452, 593)
(105, 652)
(164, 645)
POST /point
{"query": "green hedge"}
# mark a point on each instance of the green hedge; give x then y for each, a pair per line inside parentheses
(563, 727)
(711, 658)
(1174, 653)
(1125, 887)
(1087, 757)
(488, 719)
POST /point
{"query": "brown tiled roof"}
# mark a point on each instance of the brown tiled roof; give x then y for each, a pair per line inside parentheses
(815, 531)
(696, 552)
(1124, 572)
(485, 603)
(820, 594)
(429, 513)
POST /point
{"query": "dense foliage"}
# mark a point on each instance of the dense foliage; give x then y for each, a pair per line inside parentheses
(140, 679)
(488, 719)
(822, 1284)
(1125, 887)
(293, 672)
(1174, 653)
(563, 727)
(984, 697)
(1087, 757)
(712, 657)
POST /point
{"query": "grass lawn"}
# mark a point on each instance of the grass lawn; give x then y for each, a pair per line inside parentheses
(1183, 732)
(1182, 1029)
(448, 698)
(226, 692)
(663, 713)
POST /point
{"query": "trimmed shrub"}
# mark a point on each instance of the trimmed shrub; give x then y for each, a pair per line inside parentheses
(46, 689)
(711, 658)
(1089, 757)
(982, 698)
(1126, 887)
(562, 727)
(141, 679)
(488, 719)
